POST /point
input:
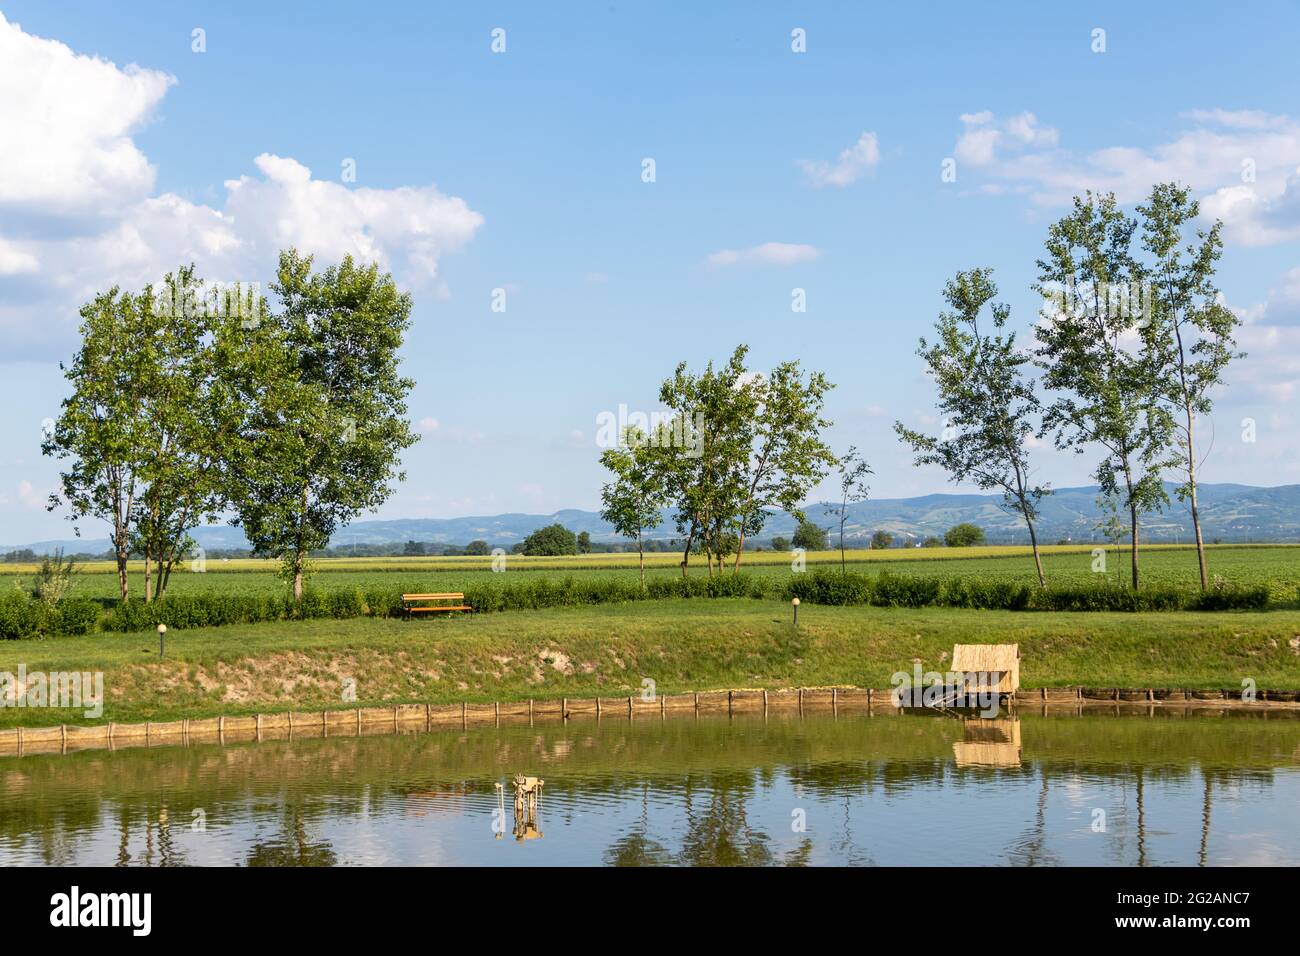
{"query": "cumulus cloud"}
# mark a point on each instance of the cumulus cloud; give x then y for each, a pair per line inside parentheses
(79, 214)
(70, 118)
(848, 167)
(768, 254)
(1242, 163)
(985, 138)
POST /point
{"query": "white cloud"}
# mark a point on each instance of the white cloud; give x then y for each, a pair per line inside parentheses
(1255, 216)
(68, 119)
(985, 138)
(768, 254)
(426, 425)
(14, 260)
(1243, 163)
(407, 228)
(848, 167)
(77, 216)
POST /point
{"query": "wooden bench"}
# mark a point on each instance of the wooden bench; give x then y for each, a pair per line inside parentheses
(411, 607)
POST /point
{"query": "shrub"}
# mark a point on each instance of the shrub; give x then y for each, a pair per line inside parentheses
(986, 595)
(1222, 596)
(898, 590)
(20, 616)
(822, 587)
(77, 616)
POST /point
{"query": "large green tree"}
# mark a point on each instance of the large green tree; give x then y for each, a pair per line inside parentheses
(632, 502)
(759, 448)
(187, 419)
(327, 423)
(708, 442)
(786, 456)
(1191, 329)
(99, 428)
(986, 399)
(552, 540)
(1096, 351)
(810, 537)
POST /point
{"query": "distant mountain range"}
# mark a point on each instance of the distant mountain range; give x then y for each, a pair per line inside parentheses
(1228, 513)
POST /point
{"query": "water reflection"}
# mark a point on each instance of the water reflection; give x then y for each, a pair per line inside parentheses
(857, 790)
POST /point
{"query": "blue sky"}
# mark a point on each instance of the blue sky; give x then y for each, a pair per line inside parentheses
(522, 171)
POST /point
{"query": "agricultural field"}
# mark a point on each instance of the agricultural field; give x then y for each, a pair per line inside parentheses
(1277, 566)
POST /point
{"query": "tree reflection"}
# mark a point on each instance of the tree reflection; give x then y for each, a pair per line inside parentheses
(294, 848)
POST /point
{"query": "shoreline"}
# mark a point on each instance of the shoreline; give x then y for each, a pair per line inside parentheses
(399, 718)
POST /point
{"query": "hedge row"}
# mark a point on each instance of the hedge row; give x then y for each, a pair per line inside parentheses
(894, 590)
(21, 616)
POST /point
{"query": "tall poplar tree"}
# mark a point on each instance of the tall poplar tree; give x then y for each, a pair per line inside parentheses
(986, 398)
(1192, 330)
(326, 423)
(1095, 347)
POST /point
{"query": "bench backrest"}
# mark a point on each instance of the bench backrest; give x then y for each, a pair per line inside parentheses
(451, 596)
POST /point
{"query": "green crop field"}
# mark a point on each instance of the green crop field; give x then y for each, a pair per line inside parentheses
(1277, 566)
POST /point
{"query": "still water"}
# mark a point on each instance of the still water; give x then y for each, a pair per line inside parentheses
(820, 790)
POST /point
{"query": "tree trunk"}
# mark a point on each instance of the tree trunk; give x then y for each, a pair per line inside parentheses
(1191, 487)
(1133, 538)
(843, 569)
(123, 583)
(148, 579)
(686, 552)
(1038, 559)
(739, 548)
(297, 582)
(640, 550)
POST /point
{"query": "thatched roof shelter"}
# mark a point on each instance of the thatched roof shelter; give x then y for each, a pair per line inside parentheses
(989, 743)
(1000, 661)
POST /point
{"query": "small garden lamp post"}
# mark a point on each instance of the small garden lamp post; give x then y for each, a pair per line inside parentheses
(162, 640)
(794, 602)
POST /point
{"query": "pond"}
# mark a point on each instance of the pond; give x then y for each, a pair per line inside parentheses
(1033, 790)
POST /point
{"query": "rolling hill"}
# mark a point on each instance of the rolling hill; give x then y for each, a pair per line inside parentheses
(1230, 513)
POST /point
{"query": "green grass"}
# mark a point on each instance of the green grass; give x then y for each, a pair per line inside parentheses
(1278, 566)
(680, 644)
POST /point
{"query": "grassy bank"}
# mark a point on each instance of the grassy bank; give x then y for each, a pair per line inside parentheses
(610, 649)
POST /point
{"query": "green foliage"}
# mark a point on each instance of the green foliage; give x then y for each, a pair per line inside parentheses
(551, 540)
(964, 535)
(987, 400)
(1108, 393)
(780, 544)
(810, 537)
(895, 590)
(632, 502)
(323, 406)
(1190, 339)
(880, 540)
(478, 548)
(54, 579)
(755, 446)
